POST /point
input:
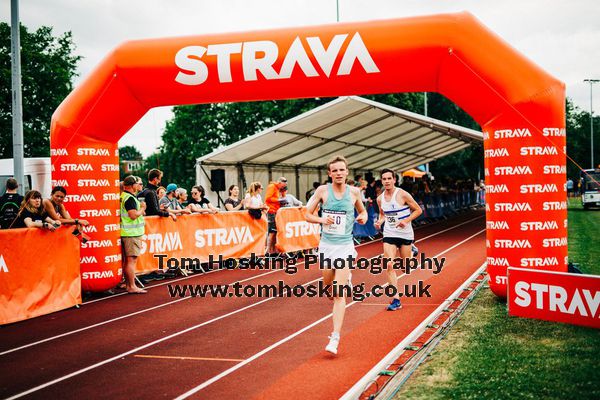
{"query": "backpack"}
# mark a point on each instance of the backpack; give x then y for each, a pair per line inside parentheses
(9, 209)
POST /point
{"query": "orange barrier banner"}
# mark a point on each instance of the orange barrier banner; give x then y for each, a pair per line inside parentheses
(294, 232)
(39, 272)
(198, 236)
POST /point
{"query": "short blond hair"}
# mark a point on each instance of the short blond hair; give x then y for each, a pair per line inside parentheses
(335, 159)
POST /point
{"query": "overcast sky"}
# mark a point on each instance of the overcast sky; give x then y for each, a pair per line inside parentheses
(562, 36)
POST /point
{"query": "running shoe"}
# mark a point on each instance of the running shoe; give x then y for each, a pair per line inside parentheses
(415, 250)
(394, 305)
(334, 341)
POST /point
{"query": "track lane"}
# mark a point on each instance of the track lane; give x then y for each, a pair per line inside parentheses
(210, 340)
(26, 333)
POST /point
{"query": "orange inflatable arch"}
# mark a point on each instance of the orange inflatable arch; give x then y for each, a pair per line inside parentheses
(519, 106)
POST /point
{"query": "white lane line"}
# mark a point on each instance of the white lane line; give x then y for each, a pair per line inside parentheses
(187, 358)
(117, 318)
(288, 338)
(145, 346)
(448, 229)
(254, 357)
(150, 287)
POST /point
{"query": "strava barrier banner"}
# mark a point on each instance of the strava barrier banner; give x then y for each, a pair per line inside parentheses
(554, 296)
(39, 272)
(294, 232)
(230, 234)
(520, 107)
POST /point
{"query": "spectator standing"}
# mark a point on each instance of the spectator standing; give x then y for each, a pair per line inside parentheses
(150, 196)
(161, 192)
(10, 203)
(253, 200)
(132, 230)
(233, 203)
(311, 192)
(272, 201)
(288, 200)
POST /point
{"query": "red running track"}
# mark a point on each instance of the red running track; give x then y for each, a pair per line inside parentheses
(155, 346)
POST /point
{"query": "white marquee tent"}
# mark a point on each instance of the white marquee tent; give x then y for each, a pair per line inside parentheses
(371, 135)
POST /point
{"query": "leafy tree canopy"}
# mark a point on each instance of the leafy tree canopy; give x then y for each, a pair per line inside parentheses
(48, 66)
(129, 153)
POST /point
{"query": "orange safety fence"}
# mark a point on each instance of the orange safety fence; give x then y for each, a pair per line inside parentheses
(39, 272)
(294, 232)
(230, 234)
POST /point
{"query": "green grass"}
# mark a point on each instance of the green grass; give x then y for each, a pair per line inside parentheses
(489, 355)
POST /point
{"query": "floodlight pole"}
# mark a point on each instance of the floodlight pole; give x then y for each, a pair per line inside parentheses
(17, 107)
(591, 82)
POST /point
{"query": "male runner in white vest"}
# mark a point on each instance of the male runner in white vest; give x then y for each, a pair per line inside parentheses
(397, 209)
(339, 201)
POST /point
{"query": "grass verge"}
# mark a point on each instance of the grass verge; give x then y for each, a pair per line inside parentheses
(489, 355)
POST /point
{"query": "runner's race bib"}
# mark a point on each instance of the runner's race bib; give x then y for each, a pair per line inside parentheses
(339, 222)
(392, 217)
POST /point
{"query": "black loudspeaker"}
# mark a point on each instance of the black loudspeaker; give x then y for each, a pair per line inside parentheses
(217, 179)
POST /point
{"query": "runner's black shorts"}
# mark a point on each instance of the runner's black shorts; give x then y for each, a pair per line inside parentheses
(398, 242)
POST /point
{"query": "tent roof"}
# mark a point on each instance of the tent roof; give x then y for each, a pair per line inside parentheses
(369, 134)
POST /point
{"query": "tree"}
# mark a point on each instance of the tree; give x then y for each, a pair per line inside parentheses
(129, 153)
(48, 66)
(578, 140)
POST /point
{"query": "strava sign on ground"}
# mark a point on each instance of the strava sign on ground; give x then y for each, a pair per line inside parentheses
(519, 106)
(554, 296)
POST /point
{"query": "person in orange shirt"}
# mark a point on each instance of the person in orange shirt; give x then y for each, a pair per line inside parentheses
(272, 201)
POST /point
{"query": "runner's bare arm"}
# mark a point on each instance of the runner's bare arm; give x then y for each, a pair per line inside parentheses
(362, 216)
(381, 215)
(412, 204)
(313, 205)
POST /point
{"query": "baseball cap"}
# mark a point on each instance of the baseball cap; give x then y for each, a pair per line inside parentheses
(171, 187)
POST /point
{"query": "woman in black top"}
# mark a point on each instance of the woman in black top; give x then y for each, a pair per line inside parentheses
(199, 203)
(233, 202)
(32, 214)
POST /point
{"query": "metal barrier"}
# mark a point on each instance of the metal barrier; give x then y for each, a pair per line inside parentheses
(435, 206)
